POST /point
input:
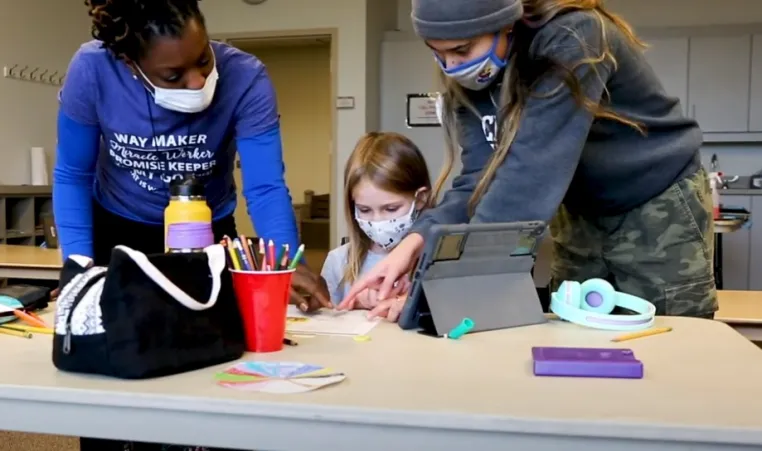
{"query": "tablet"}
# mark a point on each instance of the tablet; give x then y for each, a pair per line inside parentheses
(484, 263)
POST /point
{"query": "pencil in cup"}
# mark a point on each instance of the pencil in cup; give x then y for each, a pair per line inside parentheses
(297, 257)
(283, 257)
(241, 255)
(263, 255)
(246, 264)
(248, 250)
(231, 252)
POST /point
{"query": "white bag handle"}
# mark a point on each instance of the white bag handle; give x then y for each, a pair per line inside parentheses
(216, 255)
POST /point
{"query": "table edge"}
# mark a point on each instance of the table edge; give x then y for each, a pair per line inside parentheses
(739, 320)
(358, 416)
(7, 265)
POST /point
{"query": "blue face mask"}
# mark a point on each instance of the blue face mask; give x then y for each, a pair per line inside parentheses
(478, 73)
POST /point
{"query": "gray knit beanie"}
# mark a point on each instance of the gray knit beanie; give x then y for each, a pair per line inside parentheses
(462, 19)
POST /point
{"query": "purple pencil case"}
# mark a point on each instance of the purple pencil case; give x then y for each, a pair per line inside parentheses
(586, 362)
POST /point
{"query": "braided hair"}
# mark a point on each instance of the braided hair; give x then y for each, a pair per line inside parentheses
(127, 27)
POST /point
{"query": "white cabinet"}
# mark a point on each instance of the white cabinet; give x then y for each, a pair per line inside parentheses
(719, 77)
(668, 57)
(755, 109)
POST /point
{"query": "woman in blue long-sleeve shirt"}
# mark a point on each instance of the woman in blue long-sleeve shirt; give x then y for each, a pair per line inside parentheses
(152, 99)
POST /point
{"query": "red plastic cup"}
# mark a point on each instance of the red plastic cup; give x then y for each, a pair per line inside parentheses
(263, 301)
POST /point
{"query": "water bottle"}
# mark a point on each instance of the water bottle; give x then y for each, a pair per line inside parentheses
(187, 218)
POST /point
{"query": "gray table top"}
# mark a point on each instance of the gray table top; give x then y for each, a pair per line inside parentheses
(409, 392)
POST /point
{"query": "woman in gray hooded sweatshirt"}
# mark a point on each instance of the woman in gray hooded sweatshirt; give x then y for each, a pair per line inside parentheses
(561, 119)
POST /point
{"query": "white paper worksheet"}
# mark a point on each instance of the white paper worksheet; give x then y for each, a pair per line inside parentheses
(329, 322)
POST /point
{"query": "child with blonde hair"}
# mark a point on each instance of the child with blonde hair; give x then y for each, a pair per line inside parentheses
(386, 186)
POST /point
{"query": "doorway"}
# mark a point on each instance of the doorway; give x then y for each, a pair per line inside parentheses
(300, 68)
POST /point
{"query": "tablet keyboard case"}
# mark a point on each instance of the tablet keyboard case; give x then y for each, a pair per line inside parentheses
(486, 284)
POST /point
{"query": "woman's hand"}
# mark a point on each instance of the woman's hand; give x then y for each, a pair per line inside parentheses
(390, 275)
(306, 281)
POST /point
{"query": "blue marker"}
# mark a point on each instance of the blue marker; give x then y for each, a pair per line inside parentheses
(461, 329)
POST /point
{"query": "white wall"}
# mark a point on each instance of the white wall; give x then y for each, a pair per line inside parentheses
(380, 16)
(408, 67)
(36, 33)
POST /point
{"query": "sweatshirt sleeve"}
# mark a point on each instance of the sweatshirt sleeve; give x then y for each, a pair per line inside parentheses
(453, 208)
(267, 198)
(534, 177)
(260, 149)
(77, 149)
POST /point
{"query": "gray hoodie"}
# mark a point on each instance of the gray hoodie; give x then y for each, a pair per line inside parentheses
(561, 154)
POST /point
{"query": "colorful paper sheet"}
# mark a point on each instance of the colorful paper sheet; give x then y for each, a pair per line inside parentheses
(277, 377)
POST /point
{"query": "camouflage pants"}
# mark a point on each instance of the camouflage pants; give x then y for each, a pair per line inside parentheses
(661, 251)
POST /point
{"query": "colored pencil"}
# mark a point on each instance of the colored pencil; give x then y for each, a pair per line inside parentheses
(29, 319)
(245, 264)
(297, 257)
(224, 243)
(271, 255)
(233, 257)
(247, 252)
(253, 253)
(283, 257)
(263, 265)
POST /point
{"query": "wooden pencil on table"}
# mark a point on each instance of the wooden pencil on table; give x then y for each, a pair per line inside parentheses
(15, 333)
(641, 334)
(29, 329)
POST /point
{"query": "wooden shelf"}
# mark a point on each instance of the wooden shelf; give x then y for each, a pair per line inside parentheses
(21, 211)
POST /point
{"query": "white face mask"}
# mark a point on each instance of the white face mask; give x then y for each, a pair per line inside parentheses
(479, 73)
(185, 100)
(387, 233)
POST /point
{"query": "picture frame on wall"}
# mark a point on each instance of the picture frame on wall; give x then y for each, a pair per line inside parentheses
(424, 110)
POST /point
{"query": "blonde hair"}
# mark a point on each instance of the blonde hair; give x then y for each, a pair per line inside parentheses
(391, 162)
(514, 92)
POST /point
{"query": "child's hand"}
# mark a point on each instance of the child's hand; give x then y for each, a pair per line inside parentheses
(389, 309)
(367, 299)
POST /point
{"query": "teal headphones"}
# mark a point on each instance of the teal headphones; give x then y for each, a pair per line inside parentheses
(590, 304)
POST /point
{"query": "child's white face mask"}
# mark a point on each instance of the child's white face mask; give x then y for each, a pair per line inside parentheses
(389, 232)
